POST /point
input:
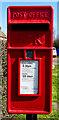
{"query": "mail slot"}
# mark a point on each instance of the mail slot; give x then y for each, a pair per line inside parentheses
(30, 44)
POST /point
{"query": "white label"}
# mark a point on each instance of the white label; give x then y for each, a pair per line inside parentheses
(29, 77)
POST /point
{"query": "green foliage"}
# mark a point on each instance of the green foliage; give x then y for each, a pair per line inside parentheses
(3, 99)
(21, 116)
(3, 82)
(54, 83)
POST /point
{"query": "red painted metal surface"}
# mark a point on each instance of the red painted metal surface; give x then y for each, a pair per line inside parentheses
(30, 27)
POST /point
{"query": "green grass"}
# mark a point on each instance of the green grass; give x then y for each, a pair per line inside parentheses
(21, 116)
(55, 83)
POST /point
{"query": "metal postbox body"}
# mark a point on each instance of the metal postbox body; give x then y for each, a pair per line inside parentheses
(30, 42)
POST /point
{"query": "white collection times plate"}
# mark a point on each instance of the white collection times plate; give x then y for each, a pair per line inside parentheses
(29, 77)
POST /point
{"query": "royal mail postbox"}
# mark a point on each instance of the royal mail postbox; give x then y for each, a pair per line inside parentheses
(30, 42)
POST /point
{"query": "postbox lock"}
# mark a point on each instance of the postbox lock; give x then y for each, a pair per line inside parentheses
(29, 53)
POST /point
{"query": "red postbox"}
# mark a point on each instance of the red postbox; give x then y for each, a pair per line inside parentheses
(30, 42)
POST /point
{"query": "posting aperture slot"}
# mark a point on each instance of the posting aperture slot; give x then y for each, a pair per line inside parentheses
(30, 26)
